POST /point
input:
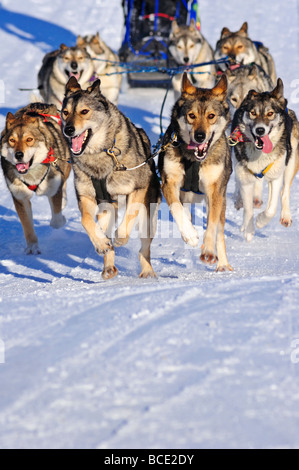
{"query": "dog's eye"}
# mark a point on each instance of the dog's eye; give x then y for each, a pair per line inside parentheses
(65, 113)
(211, 116)
(192, 116)
(85, 111)
(253, 113)
(270, 113)
(12, 141)
(30, 139)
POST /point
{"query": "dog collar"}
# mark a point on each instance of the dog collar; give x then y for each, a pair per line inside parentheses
(262, 173)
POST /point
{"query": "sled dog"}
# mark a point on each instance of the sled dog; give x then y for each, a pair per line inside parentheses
(34, 159)
(196, 164)
(105, 64)
(267, 135)
(242, 50)
(103, 143)
(58, 66)
(240, 81)
(188, 46)
(243, 79)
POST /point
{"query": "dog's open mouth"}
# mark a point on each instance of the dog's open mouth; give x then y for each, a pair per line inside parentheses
(200, 150)
(264, 143)
(79, 142)
(23, 168)
(77, 75)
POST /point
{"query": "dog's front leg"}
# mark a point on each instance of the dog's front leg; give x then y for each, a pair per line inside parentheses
(215, 204)
(274, 191)
(58, 220)
(180, 213)
(89, 209)
(247, 228)
(24, 210)
(106, 217)
(223, 264)
(289, 174)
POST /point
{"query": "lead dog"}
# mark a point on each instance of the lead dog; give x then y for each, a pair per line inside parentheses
(267, 148)
(34, 159)
(196, 165)
(103, 143)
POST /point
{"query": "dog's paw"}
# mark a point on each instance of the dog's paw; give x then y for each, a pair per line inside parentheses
(262, 220)
(147, 273)
(286, 221)
(120, 241)
(248, 236)
(208, 256)
(191, 236)
(32, 249)
(224, 268)
(103, 245)
(58, 221)
(109, 272)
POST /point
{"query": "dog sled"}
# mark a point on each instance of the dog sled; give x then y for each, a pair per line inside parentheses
(144, 49)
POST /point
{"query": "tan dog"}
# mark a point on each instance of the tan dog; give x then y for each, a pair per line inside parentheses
(105, 64)
(196, 165)
(35, 161)
(243, 51)
(188, 46)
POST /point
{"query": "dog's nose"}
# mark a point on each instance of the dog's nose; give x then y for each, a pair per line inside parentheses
(186, 60)
(19, 155)
(260, 131)
(74, 65)
(69, 131)
(200, 137)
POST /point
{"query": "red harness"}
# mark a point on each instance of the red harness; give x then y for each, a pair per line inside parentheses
(236, 137)
(50, 158)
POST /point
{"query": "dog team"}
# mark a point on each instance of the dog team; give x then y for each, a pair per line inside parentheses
(76, 124)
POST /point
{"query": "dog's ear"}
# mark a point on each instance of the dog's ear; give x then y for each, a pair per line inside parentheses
(187, 87)
(225, 32)
(72, 86)
(243, 31)
(277, 93)
(95, 87)
(10, 119)
(63, 47)
(97, 38)
(80, 41)
(220, 88)
(253, 73)
(175, 29)
(192, 26)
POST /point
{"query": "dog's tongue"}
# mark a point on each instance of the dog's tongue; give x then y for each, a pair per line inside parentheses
(76, 75)
(77, 143)
(193, 146)
(268, 146)
(22, 167)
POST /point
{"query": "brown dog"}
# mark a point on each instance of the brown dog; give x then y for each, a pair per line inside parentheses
(197, 164)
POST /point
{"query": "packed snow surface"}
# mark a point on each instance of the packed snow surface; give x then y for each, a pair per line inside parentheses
(192, 359)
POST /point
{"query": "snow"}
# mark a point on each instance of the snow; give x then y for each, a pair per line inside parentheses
(193, 359)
